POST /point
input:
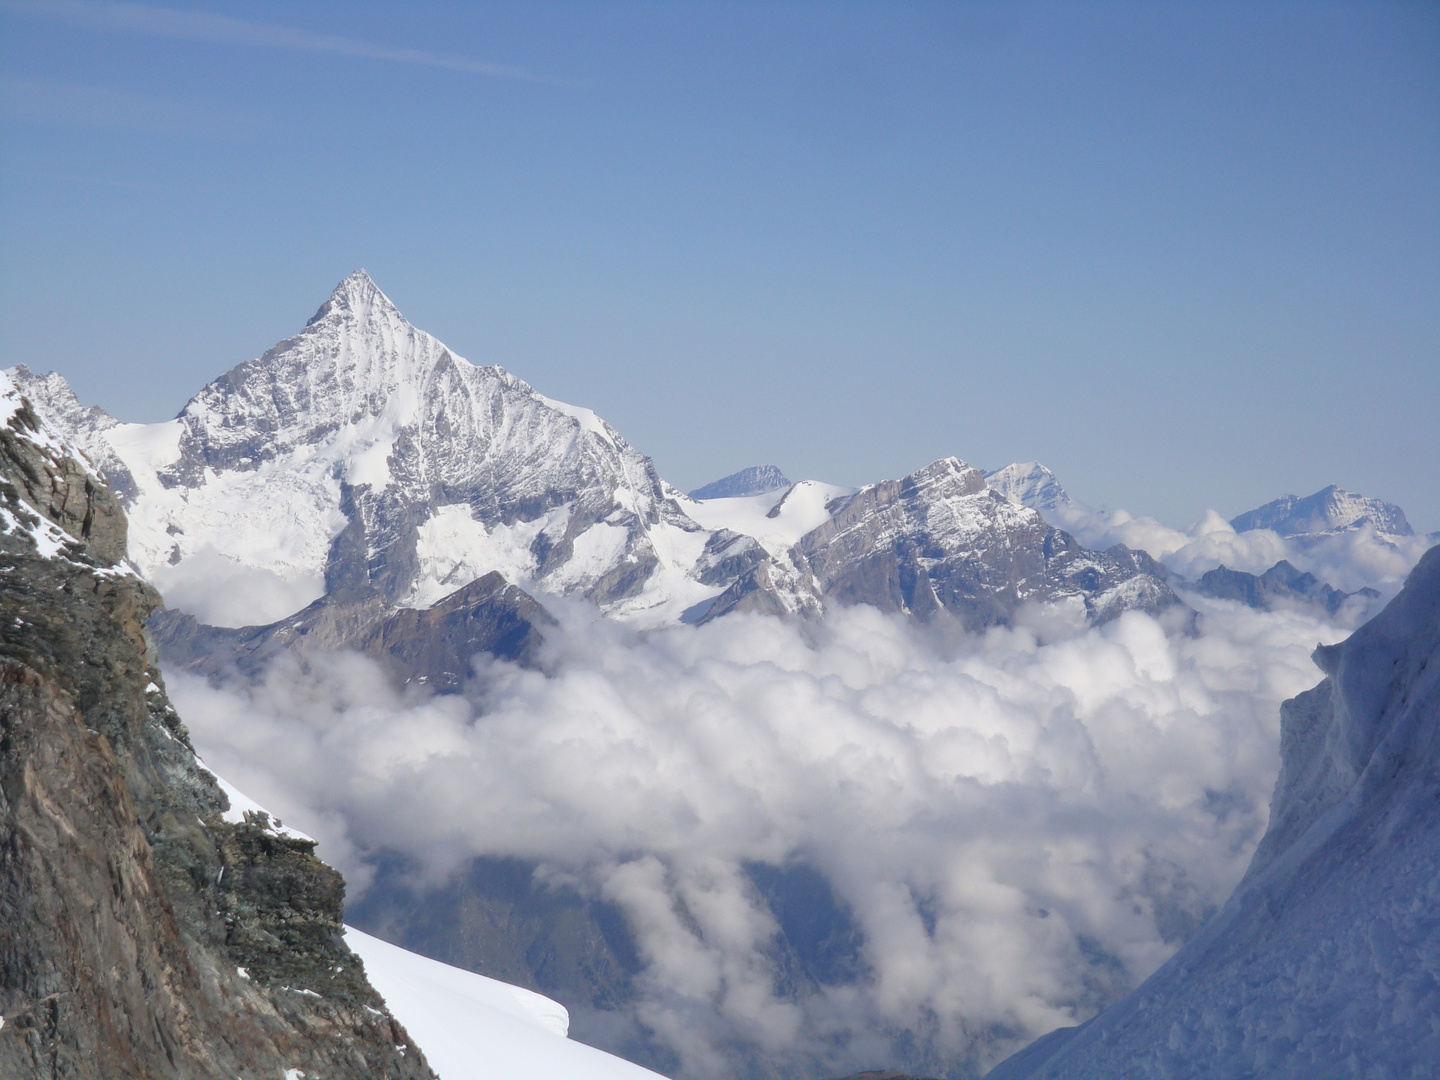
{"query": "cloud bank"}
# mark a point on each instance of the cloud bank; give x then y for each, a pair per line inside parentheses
(1021, 830)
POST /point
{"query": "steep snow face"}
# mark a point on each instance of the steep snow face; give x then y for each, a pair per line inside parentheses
(776, 519)
(1330, 510)
(1031, 484)
(1325, 960)
(362, 450)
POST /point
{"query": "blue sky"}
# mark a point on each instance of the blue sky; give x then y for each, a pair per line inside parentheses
(1187, 255)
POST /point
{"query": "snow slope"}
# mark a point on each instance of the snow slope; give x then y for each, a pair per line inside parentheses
(777, 519)
(1325, 961)
(474, 1028)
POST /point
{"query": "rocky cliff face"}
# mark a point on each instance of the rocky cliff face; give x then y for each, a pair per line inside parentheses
(1326, 960)
(142, 934)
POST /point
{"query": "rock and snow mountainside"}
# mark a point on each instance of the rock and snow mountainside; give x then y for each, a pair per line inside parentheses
(1350, 541)
(1328, 511)
(153, 920)
(363, 451)
(1032, 484)
(756, 480)
(363, 455)
(942, 541)
(145, 929)
(1326, 960)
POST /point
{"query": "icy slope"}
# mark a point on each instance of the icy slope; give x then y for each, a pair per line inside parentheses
(1324, 963)
(363, 451)
(776, 519)
(474, 1028)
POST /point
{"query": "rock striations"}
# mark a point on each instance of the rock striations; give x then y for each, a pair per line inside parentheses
(1326, 960)
(143, 932)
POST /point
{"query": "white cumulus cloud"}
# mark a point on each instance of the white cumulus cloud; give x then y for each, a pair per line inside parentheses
(1021, 830)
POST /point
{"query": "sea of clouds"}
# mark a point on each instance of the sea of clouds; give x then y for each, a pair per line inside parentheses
(1022, 823)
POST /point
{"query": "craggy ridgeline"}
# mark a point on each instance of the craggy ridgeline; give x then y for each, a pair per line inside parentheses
(141, 934)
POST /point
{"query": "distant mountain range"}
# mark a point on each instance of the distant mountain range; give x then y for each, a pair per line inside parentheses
(364, 454)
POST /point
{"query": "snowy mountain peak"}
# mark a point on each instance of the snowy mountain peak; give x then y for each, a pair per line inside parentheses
(1329, 510)
(1030, 484)
(358, 296)
(756, 480)
(363, 452)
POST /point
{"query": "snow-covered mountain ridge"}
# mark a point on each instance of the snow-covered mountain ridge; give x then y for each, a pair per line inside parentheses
(942, 541)
(363, 453)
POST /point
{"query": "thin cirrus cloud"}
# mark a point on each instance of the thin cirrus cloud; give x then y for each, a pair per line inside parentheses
(225, 29)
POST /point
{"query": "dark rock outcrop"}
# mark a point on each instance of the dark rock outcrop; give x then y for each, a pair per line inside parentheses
(36, 470)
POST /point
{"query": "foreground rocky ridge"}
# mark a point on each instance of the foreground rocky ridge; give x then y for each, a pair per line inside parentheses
(1326, 960)
(142, 934)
